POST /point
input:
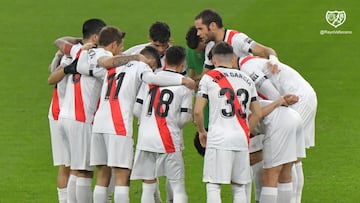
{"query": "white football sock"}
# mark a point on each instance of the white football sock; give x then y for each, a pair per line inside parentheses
(178, 190)
(100, 194)
(238, 193)
(121, 194)
(71, 189)
(148, 190)
(213, 193)
(285, 192)
(169, 192)
(111, 188)
(62, 195)
(300, 181)
(268, 195)
(83, 190)
(248, 192)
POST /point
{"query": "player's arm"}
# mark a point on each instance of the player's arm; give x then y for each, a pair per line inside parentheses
(267, 52)
(200, 103)
(285, 100)
(186, 109)
(256, 114)
(64, 44)
(56, 61)
(263, 51)
(266, 88)
(160, 80)
(61, 71)
(119, 60)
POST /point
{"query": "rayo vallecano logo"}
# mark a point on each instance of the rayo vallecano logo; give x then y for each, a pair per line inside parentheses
(335, 18)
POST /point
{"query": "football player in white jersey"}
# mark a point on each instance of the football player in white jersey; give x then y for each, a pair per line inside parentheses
(280, 126)
(211, 30)
(286, 80)
(74, 125)
(231, 95)
(58, 142)
(164, 113)
(87, 87)
(159, 37)
(112, 131)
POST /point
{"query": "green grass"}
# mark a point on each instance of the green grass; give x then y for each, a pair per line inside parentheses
(28, 29)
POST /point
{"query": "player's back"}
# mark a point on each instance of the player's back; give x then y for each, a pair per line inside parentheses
(162, 119)
(117, 100)
(83, 88)
(288, 80)
(228, 104)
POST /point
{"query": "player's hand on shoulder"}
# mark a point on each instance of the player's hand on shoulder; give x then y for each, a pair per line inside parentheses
(88, 46)
(273, 64)
(290, 99)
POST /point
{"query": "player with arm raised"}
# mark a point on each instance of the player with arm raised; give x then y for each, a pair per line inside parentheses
(210, 29)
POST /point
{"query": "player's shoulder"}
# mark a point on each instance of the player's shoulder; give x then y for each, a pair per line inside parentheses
(135, 49)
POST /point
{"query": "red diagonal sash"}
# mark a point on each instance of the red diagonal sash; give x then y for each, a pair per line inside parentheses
(79, 104)
(114, 102)
(162, 124)
(223, 82)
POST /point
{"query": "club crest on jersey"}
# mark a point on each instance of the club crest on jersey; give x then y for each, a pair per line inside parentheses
(335, 18)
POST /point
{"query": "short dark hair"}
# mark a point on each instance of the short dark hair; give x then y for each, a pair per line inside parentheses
(222, 48)
(92, 26)
(152, 52)
(159, 32)
(208, 16)
(192, 39)
(175, 55)
(109, 34)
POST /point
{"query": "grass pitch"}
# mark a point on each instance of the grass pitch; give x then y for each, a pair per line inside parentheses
(292, 28)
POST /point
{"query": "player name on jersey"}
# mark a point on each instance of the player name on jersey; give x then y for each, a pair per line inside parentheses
(220, 76)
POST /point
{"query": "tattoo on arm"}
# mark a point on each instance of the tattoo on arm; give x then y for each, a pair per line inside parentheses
(122, 60)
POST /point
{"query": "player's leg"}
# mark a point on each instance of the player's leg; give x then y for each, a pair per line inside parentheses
(213, 191)
(111, 187)
(299, 181)
(98, 158)
(256, 164)
(60, 152)
(80, 141)
(270, 180)
(169, 193)
(148, 189)
(122, 183)
(62, 181)
(285, 185)
(103, 177)
(120, 158)
(83, 186)
(71, 187)
(239, 195)
(178, 189)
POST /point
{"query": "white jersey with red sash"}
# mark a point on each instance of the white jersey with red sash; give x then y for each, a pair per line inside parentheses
(118, 94)
(164, 113)
(229, 92)
(83, 90)
(58, 92)
(240, 42)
